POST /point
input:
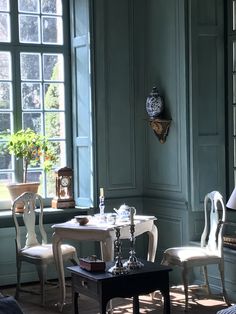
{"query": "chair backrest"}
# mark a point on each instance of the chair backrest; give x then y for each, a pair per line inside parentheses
(32, 203)
(215, 214)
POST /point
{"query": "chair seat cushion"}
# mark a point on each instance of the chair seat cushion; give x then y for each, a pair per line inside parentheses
(178, 255)
(45, 251)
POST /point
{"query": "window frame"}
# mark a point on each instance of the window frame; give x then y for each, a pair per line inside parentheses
(15, 47)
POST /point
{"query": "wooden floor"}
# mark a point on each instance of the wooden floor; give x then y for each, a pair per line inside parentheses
(30, 303)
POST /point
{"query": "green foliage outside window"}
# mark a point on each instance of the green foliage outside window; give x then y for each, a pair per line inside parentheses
(34, 149)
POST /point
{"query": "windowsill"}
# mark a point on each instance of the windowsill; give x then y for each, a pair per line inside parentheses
(50, 216)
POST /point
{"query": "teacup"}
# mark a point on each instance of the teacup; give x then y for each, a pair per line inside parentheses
(111, 218)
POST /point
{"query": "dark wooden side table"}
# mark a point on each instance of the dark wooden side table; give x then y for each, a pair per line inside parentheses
(104, 286)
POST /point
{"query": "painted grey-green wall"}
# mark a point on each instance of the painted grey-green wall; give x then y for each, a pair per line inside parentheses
(179, 46)
(139, 44)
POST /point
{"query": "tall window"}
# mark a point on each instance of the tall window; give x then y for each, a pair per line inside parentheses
(33, 81)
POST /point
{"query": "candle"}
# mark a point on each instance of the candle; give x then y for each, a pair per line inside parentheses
(101, 192)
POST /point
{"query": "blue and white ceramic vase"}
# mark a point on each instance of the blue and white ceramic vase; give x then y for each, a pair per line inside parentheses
(154, 104)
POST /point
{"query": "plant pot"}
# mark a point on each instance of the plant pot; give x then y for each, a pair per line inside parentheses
(18, 188)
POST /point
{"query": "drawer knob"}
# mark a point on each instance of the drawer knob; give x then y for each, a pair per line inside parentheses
(84, 284)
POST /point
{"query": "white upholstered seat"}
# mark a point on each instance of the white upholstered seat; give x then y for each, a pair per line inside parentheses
(211, 250)
(32, 246)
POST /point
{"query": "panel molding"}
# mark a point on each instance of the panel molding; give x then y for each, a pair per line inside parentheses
(166, 164)
(207, 103)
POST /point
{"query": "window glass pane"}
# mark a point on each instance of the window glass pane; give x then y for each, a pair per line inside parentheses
(53, 67)
(52, 7)
(30, 66)
(32, 121)
(31, 6)
(54, 96)
(5, 178)
(5, 161)
(5, 125)
(234, 56)
(34, 176)
(29, 29)
(4, 5)
(234, 120)
(55, 124)
(4, 27)
(234, 152)
(234, 15)
(31, 96)
(5, 95)
(52, 30)
(51, 188)
(234, 177)
(60, 149)
(234, 88)
(5, 65)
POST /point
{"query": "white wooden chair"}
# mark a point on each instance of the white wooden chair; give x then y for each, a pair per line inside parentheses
(211, 249)
(31, 250)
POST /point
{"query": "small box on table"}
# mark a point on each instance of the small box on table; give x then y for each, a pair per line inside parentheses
(92, 264)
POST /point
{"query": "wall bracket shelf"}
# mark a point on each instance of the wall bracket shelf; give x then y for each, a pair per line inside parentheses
(160, 128)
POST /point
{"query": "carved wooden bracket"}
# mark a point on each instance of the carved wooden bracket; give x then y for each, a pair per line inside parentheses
(160, 128)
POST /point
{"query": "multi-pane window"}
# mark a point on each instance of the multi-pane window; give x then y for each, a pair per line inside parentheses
(32, 82)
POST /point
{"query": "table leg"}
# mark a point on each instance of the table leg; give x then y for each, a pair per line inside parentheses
(166, 296)
(103, 307)
(135, 304)
(56, 246)
(152, 243)
(75, 302)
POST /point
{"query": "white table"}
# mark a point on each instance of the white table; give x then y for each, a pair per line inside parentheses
(105, 234)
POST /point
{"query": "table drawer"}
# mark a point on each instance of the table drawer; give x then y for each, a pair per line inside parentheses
(84, 286)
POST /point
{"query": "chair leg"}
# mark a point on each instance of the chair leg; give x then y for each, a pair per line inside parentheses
(206, 280)
(18, 285)
(222, 275)
(185, 282)
(42, 271)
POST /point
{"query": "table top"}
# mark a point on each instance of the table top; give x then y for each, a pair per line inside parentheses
(95, 224)
(148, 267)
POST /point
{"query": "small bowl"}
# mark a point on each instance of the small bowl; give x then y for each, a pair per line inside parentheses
(82, 220)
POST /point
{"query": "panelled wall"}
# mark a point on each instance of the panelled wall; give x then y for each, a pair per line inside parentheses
(178, 46)
(130, 58)
(139, 44)
(166, 165)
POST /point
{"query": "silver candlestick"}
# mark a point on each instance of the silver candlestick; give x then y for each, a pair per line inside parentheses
(132, 262)
(118, 268)
(101, 205)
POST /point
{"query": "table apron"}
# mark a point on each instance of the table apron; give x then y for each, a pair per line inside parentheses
(84, 235)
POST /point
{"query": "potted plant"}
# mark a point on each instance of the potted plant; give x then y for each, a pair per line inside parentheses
(34, 149)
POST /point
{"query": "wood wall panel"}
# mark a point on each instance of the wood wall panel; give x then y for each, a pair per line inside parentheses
(166, 164)
(207, 12)
(207, 109)
(118, 163)
(119, 101)
(207, 94)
